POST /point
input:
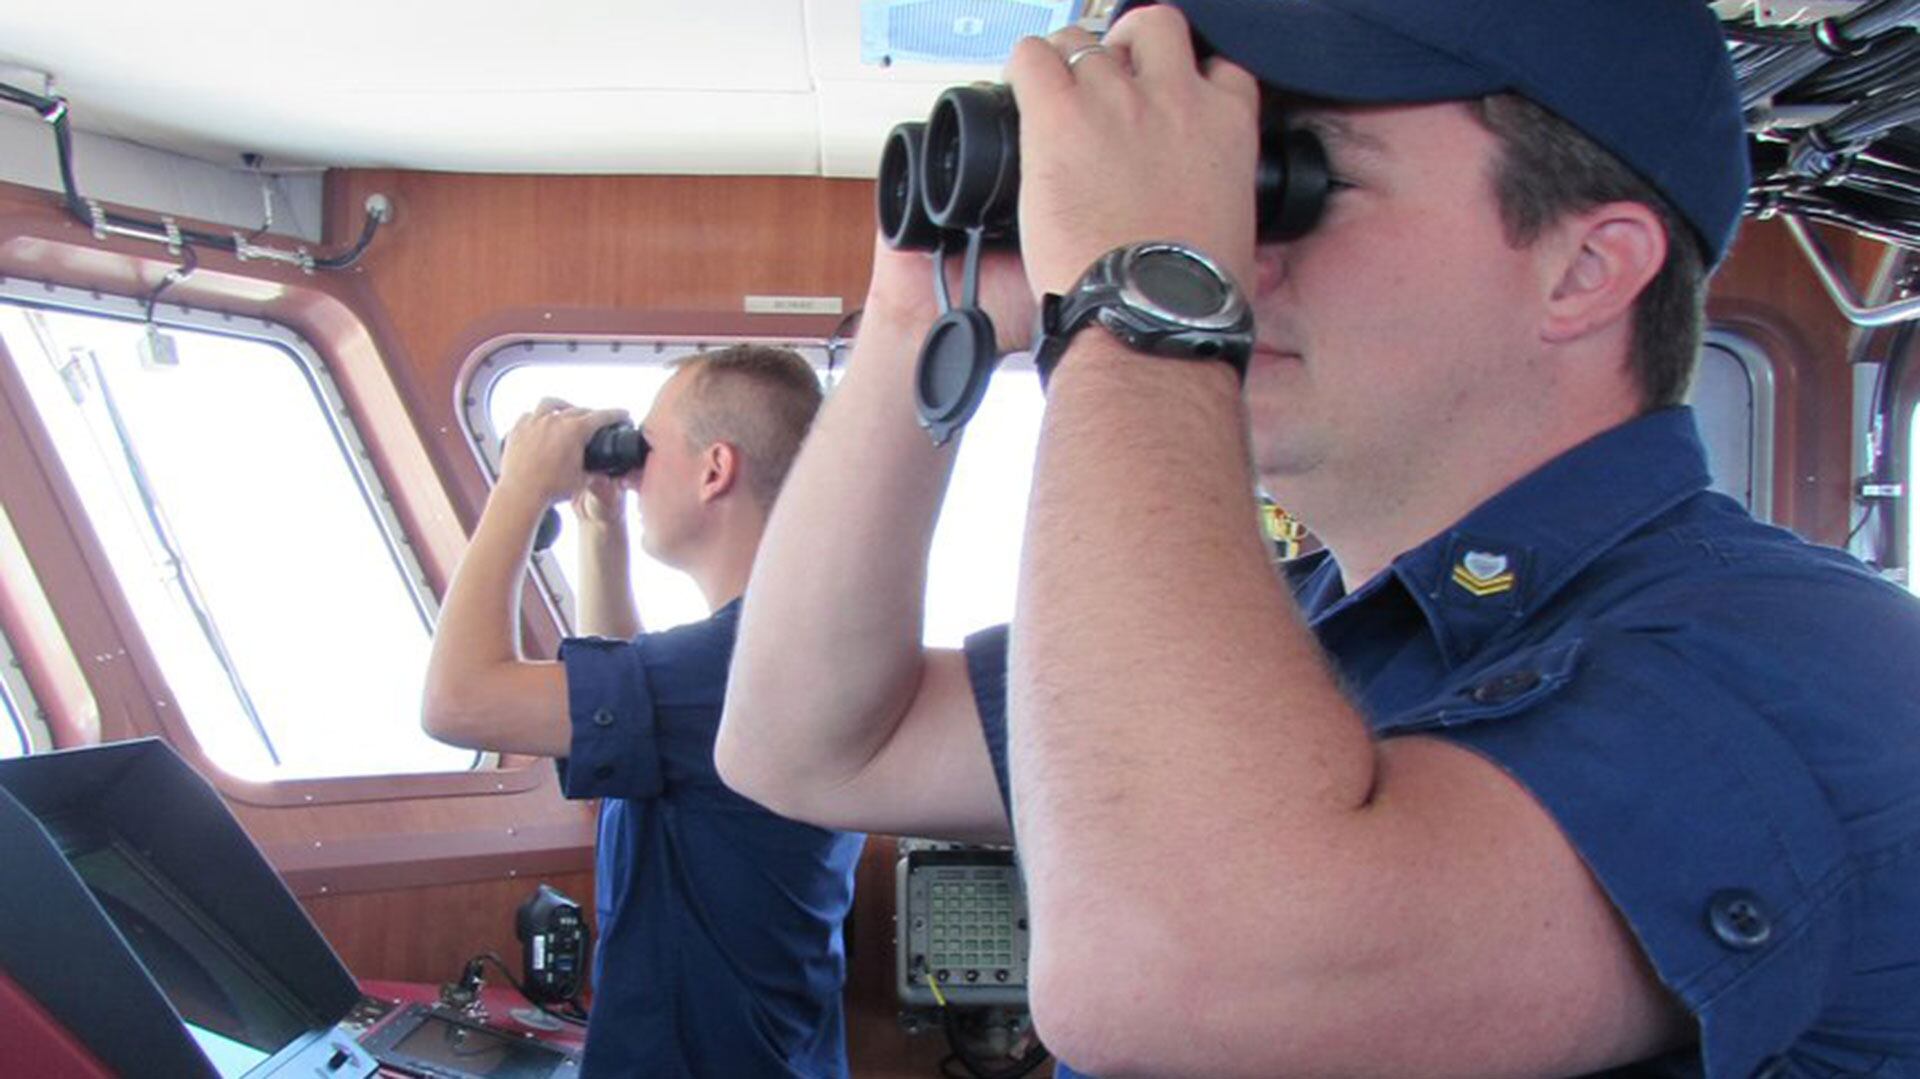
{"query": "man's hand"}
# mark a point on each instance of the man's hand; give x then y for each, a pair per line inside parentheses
(601, 503)
(901, 295)
(544, 450)
(1133, 142)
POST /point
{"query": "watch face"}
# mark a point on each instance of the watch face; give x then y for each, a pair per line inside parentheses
(1177, 283)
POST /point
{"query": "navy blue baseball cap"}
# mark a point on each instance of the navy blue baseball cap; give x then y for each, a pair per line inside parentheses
(1649, 80)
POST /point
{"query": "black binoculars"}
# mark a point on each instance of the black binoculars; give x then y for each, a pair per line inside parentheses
(613, 450)
(960, 171)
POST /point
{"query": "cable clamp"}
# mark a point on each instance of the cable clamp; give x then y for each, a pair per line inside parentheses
(1817, 156)
(99, 215)
(1830, 35)
(173, 234)
(244, 251)
(1880, 491)
(56, 112)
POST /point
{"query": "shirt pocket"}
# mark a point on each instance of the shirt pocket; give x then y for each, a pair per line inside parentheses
(1504, 687)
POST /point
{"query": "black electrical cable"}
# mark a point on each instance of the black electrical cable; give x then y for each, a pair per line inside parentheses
(577, 1017)
(976, 1067)
(1875, 116)
(1883, 63)
(1772, 74)
(54, 111)
(1746, 33)
(189, 262)
(1875, 19)
(1769, 74)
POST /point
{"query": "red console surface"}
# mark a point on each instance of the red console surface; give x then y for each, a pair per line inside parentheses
(34, 1043)
(499, 1003)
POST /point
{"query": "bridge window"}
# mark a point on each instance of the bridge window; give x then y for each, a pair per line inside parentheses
(976, 549)
(239, 513)
(16, 704)
(1732, 399)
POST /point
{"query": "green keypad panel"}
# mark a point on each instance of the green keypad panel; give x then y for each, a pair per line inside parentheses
(963, 927)
(971, 928)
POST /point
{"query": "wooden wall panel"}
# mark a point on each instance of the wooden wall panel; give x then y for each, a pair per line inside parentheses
(1767, 288)
(470, 256)
(427, 934)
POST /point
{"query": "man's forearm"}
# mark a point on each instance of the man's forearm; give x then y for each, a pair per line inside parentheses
(478, 631)
(829, 647)
(1160, 665)
(606, 590)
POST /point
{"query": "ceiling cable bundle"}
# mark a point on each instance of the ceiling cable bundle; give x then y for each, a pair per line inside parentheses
(1831, 106)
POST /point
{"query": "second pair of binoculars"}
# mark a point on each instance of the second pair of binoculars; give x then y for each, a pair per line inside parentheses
(615, 450)
(960, 171)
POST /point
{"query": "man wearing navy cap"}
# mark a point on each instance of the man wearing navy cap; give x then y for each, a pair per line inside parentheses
(1553, 762)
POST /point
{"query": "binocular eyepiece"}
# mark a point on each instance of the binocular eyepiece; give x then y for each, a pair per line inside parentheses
(960, 170)
(615, 450)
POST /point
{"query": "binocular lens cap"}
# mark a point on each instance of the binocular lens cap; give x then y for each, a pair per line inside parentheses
(955, 364)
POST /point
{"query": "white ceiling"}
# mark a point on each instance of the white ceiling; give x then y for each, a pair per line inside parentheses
(578, 86)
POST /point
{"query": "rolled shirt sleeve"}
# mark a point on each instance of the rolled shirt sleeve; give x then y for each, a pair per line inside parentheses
(615, 748)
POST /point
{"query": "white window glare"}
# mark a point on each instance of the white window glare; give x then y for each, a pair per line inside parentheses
(976, 548)
(246, 538)
(1913, 520)
(16, 704)
(1732, 400)
(13, 724)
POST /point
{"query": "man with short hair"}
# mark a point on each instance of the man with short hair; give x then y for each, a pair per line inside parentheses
(1554, 762)
(720, 951)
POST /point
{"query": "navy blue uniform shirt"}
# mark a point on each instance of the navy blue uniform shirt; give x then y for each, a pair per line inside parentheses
(720, 951)
(1723, 720)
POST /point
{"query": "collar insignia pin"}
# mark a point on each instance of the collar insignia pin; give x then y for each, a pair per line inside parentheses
(1483, 573)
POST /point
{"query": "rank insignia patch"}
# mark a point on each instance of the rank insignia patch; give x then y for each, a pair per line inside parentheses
(1483, 574)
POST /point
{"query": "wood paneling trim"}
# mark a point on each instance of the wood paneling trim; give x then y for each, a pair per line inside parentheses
(46, 658)
(399, 859)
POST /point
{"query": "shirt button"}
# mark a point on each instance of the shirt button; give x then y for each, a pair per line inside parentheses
(603, 717)
(1505, 687)
(605, 771)
(1739, 920)
(1771, 1068)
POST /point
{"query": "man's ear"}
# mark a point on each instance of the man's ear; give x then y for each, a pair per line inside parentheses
(1607, 256)
(720, 467)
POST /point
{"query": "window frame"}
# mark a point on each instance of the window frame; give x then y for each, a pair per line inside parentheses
(147, 706)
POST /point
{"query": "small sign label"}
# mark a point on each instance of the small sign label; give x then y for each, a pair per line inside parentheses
(793, 305)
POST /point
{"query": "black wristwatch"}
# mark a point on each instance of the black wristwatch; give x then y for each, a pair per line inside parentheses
(1159, 298)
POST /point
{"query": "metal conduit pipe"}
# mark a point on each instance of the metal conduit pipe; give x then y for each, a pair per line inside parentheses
(1840, 290)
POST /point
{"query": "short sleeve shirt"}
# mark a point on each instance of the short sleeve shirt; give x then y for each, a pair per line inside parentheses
(1722, 719)
(720, 950)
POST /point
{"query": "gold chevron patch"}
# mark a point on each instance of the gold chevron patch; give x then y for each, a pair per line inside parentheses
(1483, 574)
